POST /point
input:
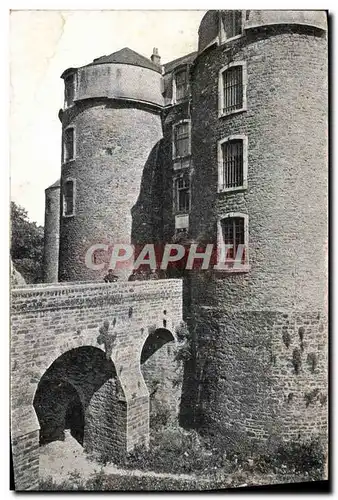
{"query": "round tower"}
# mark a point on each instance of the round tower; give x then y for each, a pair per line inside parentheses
(110, 125)
(259, 147)
(51, 233)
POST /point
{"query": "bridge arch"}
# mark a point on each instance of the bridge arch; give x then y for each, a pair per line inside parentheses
(73, 394)
(159, 370)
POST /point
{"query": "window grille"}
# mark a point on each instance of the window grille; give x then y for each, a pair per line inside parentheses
(233, 89)
(232, 154)
(233, 234)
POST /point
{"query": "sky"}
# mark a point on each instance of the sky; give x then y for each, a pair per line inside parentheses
(45, 43)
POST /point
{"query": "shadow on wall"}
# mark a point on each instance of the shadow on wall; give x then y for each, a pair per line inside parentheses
(154, 342)
(158, 367)
(65, 390)
(147, 212)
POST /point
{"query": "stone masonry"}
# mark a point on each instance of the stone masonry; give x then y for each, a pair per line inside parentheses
(55, 334)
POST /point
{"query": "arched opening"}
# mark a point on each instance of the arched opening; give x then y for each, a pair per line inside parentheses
(65, 391)
(75, 419)
(155, 340)
(159, 370)
(58, 407)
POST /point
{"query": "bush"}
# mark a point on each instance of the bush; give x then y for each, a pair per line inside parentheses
(159, 415)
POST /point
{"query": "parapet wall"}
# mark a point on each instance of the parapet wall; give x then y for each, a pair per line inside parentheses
(49, 322)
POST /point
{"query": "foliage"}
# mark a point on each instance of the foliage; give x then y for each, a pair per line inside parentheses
(312, 361)
(99, 481)
(286, 338)
(184, 348)
(296, 360)
(26, 245)
(159, 414)
(178, 451)
(311, 397)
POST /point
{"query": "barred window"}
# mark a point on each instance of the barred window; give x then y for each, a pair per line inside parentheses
(68, 198)
(232, 154)
(233, 234)
(69, 145)
(181, 139)
(181, 83)
(232, 89)
(232, 23)
(183, 194)
(69, 90)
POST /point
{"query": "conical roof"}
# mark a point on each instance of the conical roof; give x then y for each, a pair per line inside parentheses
(127, 56)
(55, 185)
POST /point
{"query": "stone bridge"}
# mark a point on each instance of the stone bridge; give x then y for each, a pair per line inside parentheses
(84, 357)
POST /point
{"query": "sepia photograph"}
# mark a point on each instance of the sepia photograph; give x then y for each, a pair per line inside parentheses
(169, 310)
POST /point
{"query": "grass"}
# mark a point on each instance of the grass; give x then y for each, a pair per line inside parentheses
(176, 451)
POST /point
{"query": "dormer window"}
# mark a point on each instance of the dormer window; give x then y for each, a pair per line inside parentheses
(180, 81)
(69, 90)
(231, 24)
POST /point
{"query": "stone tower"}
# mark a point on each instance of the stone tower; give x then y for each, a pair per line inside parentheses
(110, 125)
(259, 148)
(51, 233)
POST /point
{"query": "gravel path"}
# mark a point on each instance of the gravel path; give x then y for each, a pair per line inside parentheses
(61, 458)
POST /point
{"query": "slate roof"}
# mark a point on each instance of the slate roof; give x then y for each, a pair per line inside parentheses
(189, 58)
(127, 56)
(55, 185)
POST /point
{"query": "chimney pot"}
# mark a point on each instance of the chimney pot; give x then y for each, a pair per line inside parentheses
(155, 58)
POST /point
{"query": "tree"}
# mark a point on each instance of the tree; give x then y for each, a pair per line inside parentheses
(26, 245)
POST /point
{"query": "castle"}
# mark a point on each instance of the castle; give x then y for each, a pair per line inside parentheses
(225, 145)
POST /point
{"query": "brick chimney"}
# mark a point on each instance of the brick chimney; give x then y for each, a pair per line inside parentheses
(156, 59)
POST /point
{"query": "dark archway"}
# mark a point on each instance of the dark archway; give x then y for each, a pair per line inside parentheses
(158, 367)
(155, 340)
(66, 389)
(75, 419)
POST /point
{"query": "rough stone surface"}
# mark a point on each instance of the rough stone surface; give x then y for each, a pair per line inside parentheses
(248, 373)
(56, 360)
(51, 234)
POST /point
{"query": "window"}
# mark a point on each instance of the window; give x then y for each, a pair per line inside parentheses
(181, 85)
(232, 163)
(181, 146)
(69, 198)
(232, 89)
(233, 234)
(231, 24)
(182, 186)
(69, 145)
(233, 231)
(69, 90)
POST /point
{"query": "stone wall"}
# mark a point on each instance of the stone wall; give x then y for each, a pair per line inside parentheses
(50, 322)
(113, 143)
(51, 234)
(246, 373)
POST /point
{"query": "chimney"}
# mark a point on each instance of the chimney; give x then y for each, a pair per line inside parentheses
(156, 59)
